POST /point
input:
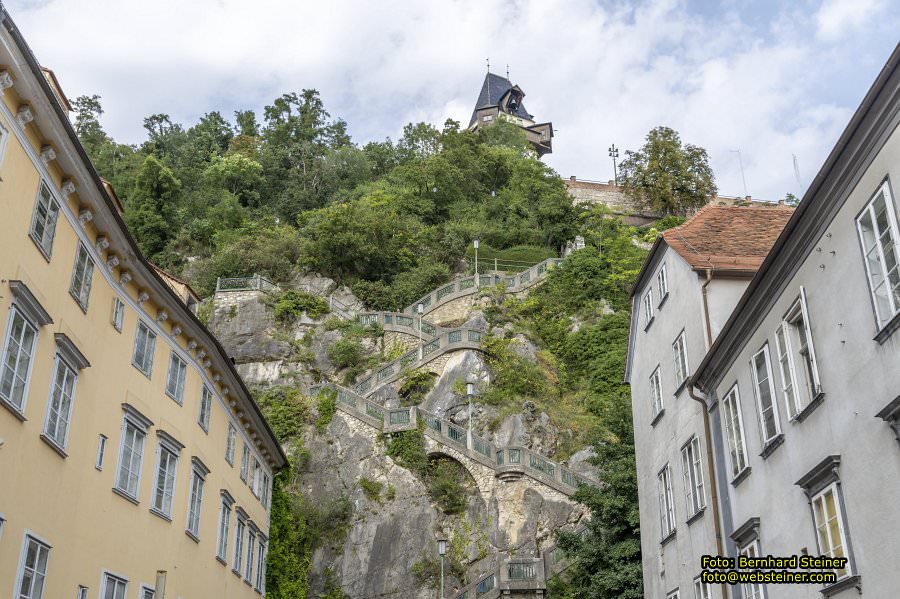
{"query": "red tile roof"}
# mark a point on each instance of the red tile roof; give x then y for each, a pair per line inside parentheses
(728, 238)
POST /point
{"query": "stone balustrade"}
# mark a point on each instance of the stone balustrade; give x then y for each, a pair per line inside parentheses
(402, 323)
(254, 283)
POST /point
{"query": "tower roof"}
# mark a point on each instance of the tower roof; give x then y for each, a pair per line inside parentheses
(492, 91)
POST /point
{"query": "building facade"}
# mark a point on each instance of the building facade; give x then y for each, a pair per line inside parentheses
(692, 279)
(500, 100)
(804, 375)
(132, 456)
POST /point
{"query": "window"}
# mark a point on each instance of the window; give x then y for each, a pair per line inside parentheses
(229, 444)
(796, 358)
(43, 221)
(679, 348)
(702, 590)
(251, 547)
(175, 381)
(656, 401)
(224, 525)
(33, 569)
(19, 348)
(662, 282)
(761, 370)
(245, 462)
(693, 476)
(256, 482)
(673, 594)
(101, 452)
(734, 431)
(118, 314)
(666, 504)
(260, 566)
(114, 587)
(205, 406)
(80, 288)
(753, 590)
(265, 490)
(131, 456)
(648, 308)
(829, 522)
(164, 487)
(877, 229)
(82, 592)
(147, 593)
(59, 408)
(144, 346)
(239, 526)
(195, 501)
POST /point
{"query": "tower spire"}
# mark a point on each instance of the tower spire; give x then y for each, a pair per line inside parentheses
(507, 72)
(488, 61)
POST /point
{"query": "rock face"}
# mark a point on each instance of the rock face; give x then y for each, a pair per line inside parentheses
(387, 547)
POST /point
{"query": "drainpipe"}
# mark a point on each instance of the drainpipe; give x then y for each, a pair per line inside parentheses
(705, 293)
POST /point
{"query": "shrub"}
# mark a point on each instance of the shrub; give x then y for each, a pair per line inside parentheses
(371, 489)
(416, 386)
(407, 448)
(445, 485)
(345, 353)
(327, 406)
(285, 408)
(290, 305)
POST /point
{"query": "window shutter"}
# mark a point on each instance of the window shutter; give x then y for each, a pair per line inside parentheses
(809, 340)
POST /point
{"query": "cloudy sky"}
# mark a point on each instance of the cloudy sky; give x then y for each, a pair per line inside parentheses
(771, 78)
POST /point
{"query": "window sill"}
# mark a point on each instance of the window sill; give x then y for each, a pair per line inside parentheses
(248, 583)
(74, 296)
(173, 398)
(843, 585)
(40, 248)
(773, 444)
(125, 495)
(680, 387)
(649, 322)
(658, 416)
(236, 573)
(221, 561)
(810, 407)
(697, 515)
(662, 301)
(742, 475)
(141, 370)
(888, 329)
(54, 445)
(159, 514)
(665, 540)
(15, 411)
(192, 536)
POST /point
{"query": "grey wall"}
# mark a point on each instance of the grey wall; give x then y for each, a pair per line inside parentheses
(859, 377)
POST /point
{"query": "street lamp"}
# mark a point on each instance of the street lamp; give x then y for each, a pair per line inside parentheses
(442, 550)
(614, 153)
(470, 392)
(477, 281)
(421, 310)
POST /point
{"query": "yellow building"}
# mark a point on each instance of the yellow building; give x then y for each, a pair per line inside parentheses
(129, 447)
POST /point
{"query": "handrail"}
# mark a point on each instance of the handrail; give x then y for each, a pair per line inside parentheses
(256, 282)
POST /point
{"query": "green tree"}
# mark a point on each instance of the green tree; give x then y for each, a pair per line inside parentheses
(238, 175)
(152, 207)
(666, 176)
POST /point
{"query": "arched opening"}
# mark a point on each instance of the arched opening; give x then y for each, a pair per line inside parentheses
(450, 484)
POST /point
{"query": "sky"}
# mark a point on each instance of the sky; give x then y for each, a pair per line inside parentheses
(755, 83)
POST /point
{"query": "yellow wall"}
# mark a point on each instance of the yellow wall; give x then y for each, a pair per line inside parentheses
(66, 500)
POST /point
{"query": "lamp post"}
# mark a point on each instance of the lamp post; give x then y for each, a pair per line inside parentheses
(470, 392)
(442, 550)
(421, 310)
(614, 153)
(477, 278)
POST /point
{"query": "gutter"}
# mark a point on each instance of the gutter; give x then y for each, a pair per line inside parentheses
(710, 467)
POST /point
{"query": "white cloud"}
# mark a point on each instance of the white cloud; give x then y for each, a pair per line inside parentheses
(601, 72)
(839, 18)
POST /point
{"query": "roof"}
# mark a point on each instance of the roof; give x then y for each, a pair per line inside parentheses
(728, 238)
(492, 91)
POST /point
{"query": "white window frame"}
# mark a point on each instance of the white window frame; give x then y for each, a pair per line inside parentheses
(101, 451)
(694, 486)
(129, 422)
(4, 140)
(47, 201)
(230, 443)
(163, 497)
(662, 281)
(238, 557)
(118, 314)
(245, 462)
(758, 388)
(145, 341)
(82, 592)
(176, 378)
(60, 435)
(195, 501)
(733, 423)
(25, 377)
(224, 528)
(666, 502)
(206, 396)
(257, 477)
(752, 590)
(251, 552)
(797, 396)
(42, 545)
(146, 592)
(818, 500)
(266, 490)
(673, 594)
(647, 304)
(109, 577)
(682, 369)
(82, 275)
(702, 590)
(656, 397)
(893, 305)
(260, 564)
